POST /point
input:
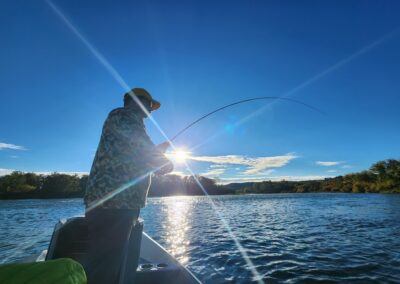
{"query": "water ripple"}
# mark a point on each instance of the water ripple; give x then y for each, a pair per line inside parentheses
(303, 238)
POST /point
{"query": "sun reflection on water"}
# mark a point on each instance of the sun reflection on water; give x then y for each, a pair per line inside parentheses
(177, 226)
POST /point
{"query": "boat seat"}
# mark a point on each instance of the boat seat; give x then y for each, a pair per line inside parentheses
(70, 240)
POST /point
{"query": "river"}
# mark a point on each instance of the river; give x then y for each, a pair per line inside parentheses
(288, 238)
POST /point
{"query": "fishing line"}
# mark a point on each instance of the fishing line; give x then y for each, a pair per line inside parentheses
(240, 102)
(310, 81)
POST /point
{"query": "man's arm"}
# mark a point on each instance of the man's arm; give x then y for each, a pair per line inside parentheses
(155, 155)
(134, 133)
(169, 167)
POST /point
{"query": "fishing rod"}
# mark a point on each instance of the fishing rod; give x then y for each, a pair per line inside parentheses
(240, 102)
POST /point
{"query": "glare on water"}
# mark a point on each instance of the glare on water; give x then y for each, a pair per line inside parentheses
(178, 218)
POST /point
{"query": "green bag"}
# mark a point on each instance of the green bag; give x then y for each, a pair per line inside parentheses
(60, 271)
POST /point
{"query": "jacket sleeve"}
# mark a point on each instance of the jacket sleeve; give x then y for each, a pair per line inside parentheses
(133, 134)
(156, 160)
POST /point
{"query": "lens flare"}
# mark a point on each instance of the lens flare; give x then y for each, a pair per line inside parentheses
(179, 156)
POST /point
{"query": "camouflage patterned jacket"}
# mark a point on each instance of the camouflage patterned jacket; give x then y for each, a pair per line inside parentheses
(119, 178)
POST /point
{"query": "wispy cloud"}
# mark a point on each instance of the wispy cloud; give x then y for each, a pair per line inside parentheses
(328, 164)
(218, 166)
(213, 172)
(253, 165)
(332, 171)
(177, 173)
(347, 167)
(4, 172)
(64, 173)
(228, 159)
(227, 180)
(11, 146)
(260, 164)
(263, 173)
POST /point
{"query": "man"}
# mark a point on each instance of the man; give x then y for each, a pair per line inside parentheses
(118, 183)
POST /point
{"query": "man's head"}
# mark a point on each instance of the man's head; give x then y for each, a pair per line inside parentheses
(145, 99)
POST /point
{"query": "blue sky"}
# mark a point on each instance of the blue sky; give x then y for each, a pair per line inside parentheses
(194, 56)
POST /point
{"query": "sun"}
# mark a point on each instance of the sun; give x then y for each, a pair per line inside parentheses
(178, 156)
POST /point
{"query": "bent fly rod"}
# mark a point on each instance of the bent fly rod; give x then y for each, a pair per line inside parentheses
(240, 102)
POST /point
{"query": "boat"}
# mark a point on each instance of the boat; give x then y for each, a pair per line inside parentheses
(145, 261)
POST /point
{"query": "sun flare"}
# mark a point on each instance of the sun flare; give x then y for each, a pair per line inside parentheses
(178, 156)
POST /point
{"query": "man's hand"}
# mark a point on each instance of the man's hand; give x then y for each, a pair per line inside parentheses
(163, 146)
(166, 169)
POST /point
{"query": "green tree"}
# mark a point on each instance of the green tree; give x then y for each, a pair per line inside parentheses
(61, 185)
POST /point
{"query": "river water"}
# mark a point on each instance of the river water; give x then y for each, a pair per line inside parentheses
(288, 238)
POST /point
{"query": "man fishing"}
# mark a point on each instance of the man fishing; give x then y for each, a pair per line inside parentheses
(118, 183)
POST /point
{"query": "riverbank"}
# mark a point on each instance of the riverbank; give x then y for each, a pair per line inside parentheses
(382, 177)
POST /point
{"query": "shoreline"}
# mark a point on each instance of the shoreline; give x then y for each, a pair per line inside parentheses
(238, 194)
(381, 177)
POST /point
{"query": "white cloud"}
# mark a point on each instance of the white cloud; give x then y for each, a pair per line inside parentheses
(228, 159)
(177, 173)
(214, 172)
(64, 173)
(332, 171)
(4, 172)
(11, 146)
(254, 165)
(328, 164)
(273, 178)
(218, 166)
(260, 164)
(346, 167)
(260, 174)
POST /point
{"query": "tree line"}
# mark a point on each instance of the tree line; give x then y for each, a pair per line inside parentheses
(19, 185)
(381, 177)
